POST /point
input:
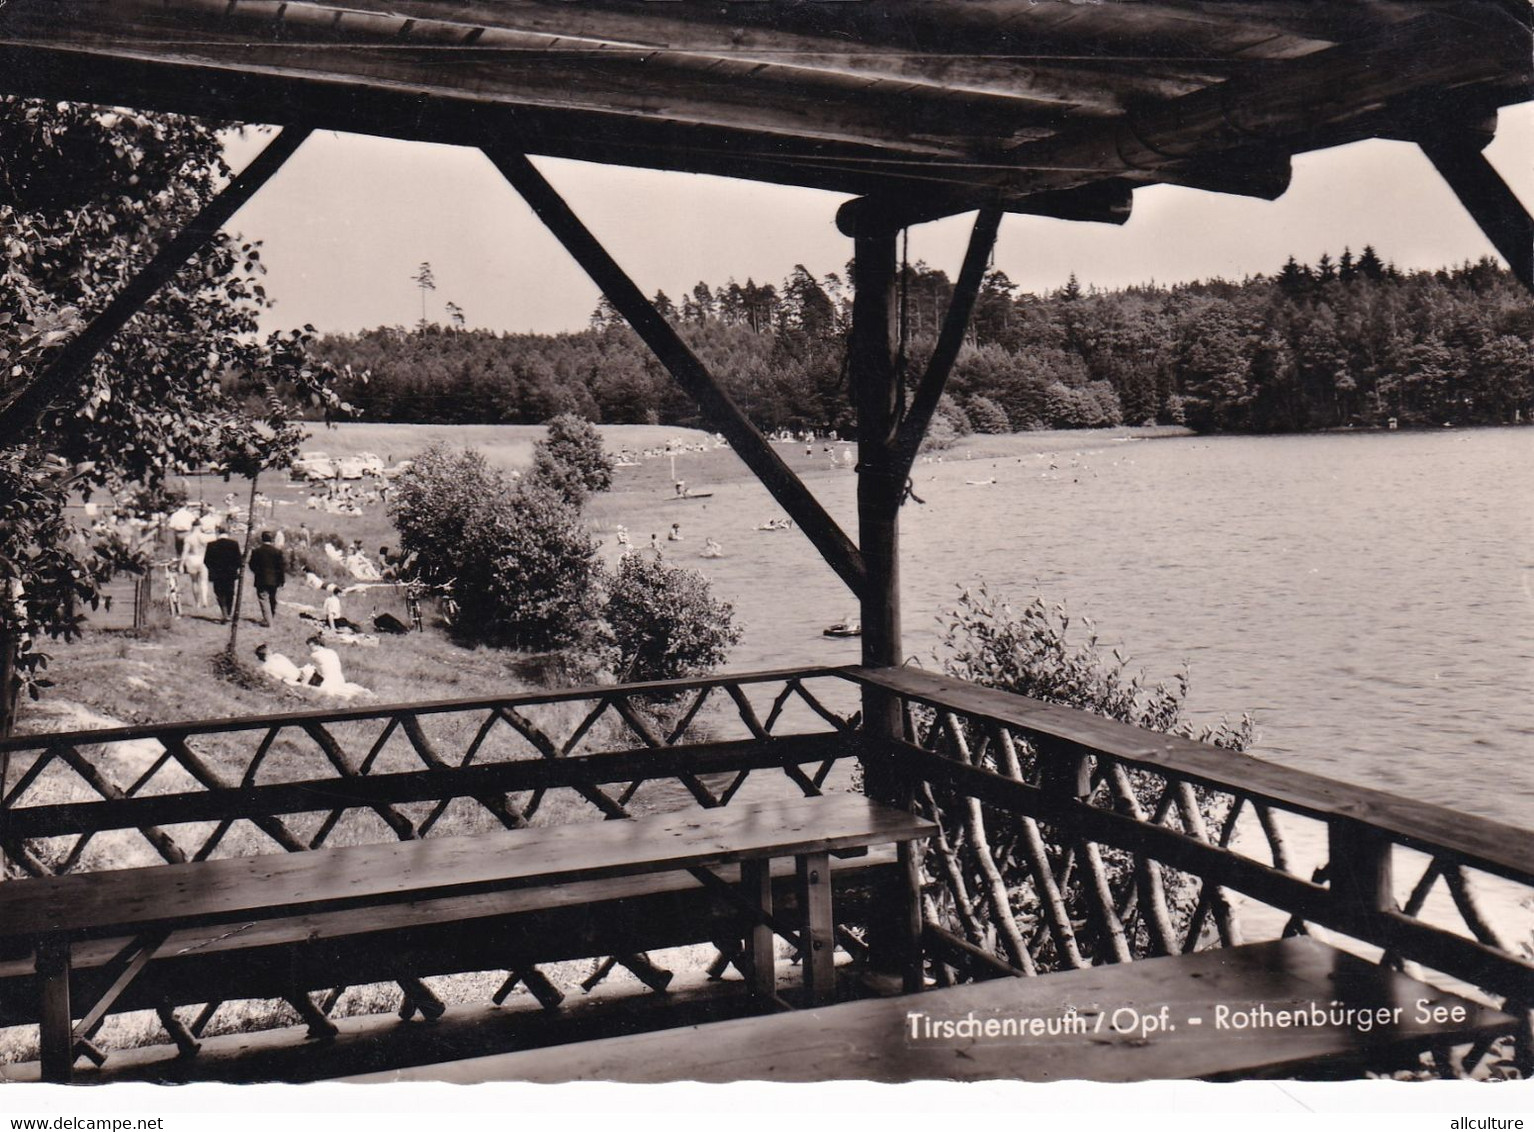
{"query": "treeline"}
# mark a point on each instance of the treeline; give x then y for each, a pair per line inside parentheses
(1344, 342)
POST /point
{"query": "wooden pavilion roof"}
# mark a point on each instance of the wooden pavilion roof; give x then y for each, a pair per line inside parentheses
(1059, 106)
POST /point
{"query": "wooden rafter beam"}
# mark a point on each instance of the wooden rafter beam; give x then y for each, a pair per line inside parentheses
(224, 93)
(1106, 202)
(1002, 101)
(719, 410)
(1345, 93)
(18, 417)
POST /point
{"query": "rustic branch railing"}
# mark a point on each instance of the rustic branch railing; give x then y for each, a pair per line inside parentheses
(236, 786)
(1066, 839)
(175, 792)
(1069, 839)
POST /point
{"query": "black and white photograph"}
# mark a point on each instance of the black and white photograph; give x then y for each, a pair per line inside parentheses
(879, 542)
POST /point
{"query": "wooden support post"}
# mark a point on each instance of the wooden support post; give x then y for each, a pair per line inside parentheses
(756, 887)
(1486, 196)
(10, 694)
(76, 355)
(881, 483)
(1359, 871)
(814, 877)
(56, 1027)
(718, 409)
(878, 396)
(911, 917)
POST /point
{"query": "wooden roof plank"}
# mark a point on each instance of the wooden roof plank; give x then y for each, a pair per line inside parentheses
(995, 98)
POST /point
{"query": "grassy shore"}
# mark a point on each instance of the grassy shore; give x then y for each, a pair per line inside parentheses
(505, 446)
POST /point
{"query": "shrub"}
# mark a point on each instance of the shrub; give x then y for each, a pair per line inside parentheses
(987, 416)
(523, 569)
(444, 507)
(1029, 651)
(545, 575)
(571, 461)
(940, 435)
(664, 621)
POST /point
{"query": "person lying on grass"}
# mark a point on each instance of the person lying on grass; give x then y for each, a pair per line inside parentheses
(279, 667)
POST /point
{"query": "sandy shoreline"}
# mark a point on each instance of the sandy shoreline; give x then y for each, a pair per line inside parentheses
(715, 466)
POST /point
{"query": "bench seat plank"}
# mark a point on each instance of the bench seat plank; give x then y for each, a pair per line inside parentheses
(171, 897)
(490, 931)
(871, 1040)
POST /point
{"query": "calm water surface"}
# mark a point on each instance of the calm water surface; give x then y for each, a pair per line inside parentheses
(1368, 598)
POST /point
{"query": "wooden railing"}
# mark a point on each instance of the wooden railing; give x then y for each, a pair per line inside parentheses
(194, 790)
(1069, 840)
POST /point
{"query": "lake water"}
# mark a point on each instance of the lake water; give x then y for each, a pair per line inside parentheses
(1369, 598)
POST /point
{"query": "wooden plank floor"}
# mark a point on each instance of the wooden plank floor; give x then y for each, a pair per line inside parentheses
(901, 1039)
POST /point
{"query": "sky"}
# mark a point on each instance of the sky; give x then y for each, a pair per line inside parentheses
(349, 218)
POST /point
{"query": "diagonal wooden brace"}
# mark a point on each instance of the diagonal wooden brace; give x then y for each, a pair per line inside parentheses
(1486, 196)
(718, 408)
(538, 985)
(656, 978)
(123, 968)
(319, 1025)
(187, 1046)
(418, 996)
(757, 914)
(946, 351)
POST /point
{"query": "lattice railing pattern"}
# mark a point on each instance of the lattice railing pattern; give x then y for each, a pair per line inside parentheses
(180, 792)
(1068, 840)
(190, 791)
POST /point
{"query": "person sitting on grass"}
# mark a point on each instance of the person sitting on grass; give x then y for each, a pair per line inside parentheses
(327, 666)
(332, 611)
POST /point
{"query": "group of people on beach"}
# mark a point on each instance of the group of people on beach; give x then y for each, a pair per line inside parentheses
(346, 499)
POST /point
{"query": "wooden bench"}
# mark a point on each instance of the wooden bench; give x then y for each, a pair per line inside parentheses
(408, 881)
(1211, 1014)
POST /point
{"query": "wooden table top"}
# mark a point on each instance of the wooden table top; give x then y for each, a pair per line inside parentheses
(902, 1039)
(166, 897)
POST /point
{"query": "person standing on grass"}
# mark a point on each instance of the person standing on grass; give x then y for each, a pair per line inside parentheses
(223, 559)
(270, 574)
(181, 520)
(193, 564)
